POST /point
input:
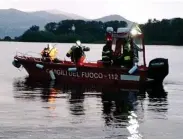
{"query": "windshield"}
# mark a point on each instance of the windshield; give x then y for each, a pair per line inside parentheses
(138, 50)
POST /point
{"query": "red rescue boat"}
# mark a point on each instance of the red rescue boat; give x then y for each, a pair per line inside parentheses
(95, 72)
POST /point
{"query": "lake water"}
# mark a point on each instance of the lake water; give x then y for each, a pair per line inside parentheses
(38, 111)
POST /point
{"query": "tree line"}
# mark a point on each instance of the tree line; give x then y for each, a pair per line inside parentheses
(164, 32)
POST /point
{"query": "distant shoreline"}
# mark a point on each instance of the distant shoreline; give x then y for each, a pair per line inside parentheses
(159, 44)
(165, 32)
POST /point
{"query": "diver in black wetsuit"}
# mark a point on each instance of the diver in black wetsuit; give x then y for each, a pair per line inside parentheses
(77, 54)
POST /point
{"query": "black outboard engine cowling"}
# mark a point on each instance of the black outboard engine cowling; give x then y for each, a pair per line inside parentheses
(158, 69)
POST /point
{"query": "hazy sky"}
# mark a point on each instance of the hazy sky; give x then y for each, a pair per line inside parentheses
(135, 10)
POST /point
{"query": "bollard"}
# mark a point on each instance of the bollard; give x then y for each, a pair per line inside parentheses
(52, 75)
(72, 69)
(133, 69)
(39, 66)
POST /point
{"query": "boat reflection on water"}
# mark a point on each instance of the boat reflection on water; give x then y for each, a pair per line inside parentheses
(31, 90)
(120, 109)
(76, 100)
(117, 105)
(157, 105)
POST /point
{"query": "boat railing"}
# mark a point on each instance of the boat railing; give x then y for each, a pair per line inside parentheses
(89, 61)
(37, 57)
(29, 55)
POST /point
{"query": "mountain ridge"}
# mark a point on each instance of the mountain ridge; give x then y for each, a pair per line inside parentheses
(72, 15)
(23, 20)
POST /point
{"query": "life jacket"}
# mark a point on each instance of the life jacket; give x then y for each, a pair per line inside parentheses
(127, 58)
(53, 53)
(127, 55)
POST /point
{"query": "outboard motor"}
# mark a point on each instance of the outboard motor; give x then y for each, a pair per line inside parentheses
(158, 69)
(16, 63)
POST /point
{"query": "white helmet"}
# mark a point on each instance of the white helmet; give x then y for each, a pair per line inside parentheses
(78, 43)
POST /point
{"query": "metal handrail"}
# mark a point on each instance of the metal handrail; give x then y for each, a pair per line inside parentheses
(27, 55)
